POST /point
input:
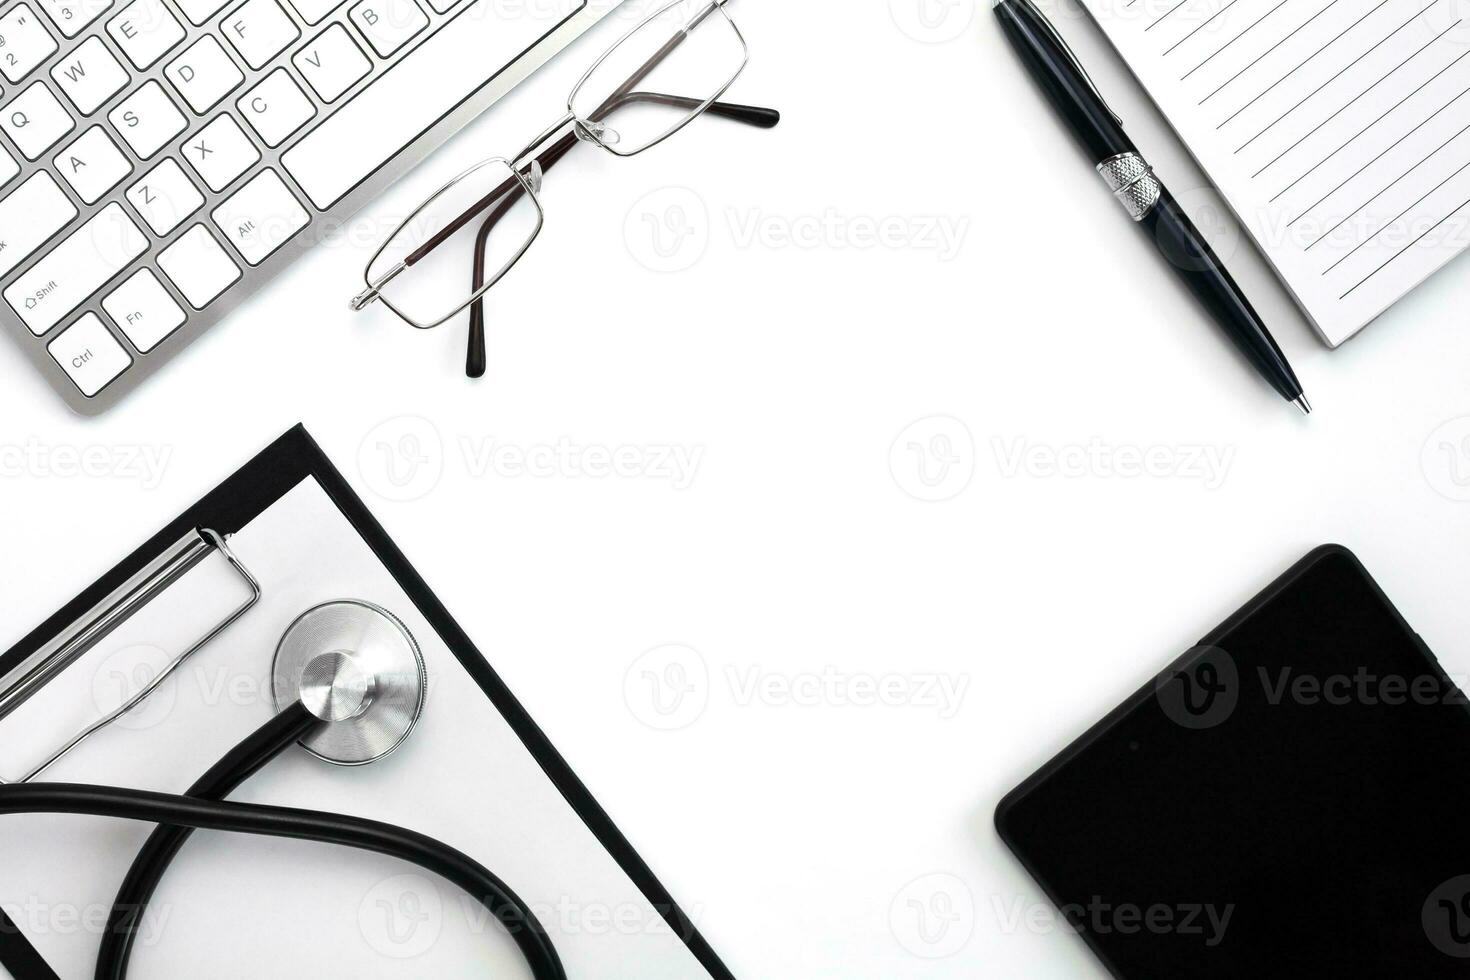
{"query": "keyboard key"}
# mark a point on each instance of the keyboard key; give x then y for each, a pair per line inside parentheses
(36, 120)
(389, 24)
(165, 197)
(34, 211)
(204, 74)
(397, 107)
(147, 120)
(146, 30)
(24, 43)
(198, 11)
(90, 354)
(144, 310)
(90, 75)
(259, 30)
(93, 165)
(72, 16)
(75, 269)
(220, 152)
(198, 266)
(315, 11)
(260, 217)
(332, 63)
(276, 107)
(8, 167)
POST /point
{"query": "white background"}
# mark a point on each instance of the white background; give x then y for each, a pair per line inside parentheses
(806, 367)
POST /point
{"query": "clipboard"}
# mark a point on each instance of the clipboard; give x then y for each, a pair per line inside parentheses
(292, 465)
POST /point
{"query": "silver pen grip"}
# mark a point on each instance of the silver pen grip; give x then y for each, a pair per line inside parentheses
(1132, 182)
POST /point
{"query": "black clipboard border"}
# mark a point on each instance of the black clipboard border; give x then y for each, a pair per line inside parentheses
(274, 472)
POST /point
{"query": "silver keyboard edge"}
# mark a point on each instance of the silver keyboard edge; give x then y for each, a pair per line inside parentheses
(323, 224)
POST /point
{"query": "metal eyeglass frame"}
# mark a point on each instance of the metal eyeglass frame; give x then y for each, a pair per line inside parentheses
(540, 155)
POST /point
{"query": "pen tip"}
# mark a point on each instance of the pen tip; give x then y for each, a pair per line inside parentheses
(1300, 401)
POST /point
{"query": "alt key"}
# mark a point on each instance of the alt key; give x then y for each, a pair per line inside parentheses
(89, 354)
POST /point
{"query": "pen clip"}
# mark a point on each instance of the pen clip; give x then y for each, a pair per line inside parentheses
(1061, 42)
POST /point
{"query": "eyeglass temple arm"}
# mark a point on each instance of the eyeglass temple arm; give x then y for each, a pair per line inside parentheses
(476, 357)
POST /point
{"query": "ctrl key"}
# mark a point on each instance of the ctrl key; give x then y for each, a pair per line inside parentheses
(89, 354)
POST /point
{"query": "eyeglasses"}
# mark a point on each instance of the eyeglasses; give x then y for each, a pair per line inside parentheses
(489, 216)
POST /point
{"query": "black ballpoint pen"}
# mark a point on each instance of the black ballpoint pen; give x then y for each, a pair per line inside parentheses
(1071, 91)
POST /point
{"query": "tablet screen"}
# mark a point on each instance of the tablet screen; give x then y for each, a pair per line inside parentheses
(1285, 801)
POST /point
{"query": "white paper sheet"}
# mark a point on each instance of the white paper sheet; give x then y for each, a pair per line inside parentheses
(1337, 130)
(236, 906)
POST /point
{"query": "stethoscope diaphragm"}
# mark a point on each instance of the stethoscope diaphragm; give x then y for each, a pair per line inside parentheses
(355, 665)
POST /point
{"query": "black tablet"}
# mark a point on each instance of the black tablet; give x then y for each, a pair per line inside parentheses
(1287, 800)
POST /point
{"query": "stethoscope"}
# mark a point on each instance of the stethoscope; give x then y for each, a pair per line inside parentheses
(349, 685)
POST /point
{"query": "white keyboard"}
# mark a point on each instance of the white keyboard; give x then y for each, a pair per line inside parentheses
(161, 159)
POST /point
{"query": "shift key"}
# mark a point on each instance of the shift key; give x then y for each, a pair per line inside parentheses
(75, 269)
(34, 212)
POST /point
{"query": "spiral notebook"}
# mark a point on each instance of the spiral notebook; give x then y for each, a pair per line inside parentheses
(1337, 130)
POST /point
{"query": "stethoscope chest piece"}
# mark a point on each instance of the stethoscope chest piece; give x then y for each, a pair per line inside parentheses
(355, 665)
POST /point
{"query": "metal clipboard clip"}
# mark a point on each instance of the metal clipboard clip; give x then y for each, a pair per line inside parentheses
(97, 623)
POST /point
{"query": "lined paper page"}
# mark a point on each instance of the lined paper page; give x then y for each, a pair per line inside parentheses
(1337, 130)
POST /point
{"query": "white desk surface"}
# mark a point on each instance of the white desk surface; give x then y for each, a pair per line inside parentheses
(798, 567)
